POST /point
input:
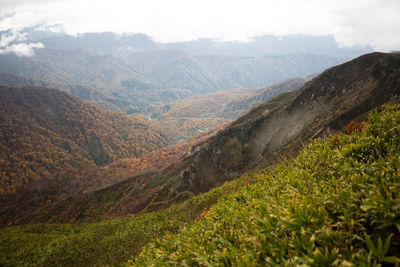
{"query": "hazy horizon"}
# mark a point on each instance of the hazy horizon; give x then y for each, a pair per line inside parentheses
(364, 23)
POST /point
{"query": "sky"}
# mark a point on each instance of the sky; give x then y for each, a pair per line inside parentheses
(352, 22)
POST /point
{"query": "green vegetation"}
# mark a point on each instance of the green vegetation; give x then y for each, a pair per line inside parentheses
(337, 203)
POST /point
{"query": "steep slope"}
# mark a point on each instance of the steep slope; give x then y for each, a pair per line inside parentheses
(45, 130)
(32, 67)
(236, 108)
(324, 105)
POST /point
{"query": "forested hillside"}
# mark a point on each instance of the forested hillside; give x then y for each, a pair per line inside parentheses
(45, 130)
(93, 193)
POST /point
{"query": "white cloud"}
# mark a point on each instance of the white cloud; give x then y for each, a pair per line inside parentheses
(21, 49)
(13, 36)
(363, 22)
(15, 42)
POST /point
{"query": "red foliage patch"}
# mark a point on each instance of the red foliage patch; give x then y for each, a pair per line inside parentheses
(354, 126)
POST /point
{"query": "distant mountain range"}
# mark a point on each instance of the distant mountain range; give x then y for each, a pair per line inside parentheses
(259, 46)
(159, 76)
(133, 73)
(205, 74)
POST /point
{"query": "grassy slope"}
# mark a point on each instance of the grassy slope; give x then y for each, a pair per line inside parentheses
(109, 242)
(337, 202)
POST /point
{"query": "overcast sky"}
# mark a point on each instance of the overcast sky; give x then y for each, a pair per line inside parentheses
(364, 22)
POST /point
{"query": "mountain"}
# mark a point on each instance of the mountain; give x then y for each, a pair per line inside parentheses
(176, 69)
(207, 65)
(45, 130)
(273, 130)
(279, 127)
(118, 82)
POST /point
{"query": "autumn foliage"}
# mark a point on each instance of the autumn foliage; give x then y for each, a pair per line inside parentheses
(353, 126)
(43, 131)
(95, 192)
